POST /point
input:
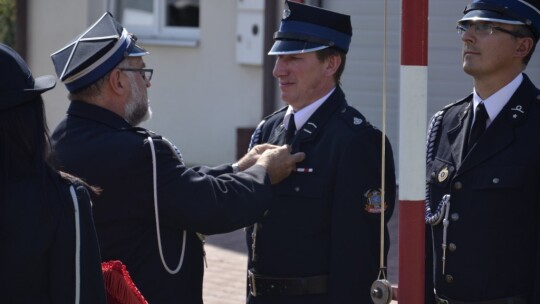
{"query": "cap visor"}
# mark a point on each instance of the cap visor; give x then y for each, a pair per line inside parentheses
(44, 83)
(12, 99)
(481, 15)
(285, 47)
(136, 51)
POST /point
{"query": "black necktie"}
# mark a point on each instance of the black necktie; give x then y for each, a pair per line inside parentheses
(291, 129)
(479, 125)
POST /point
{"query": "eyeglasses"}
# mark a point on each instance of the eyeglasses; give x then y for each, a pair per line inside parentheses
(145, 73)
(483, 29)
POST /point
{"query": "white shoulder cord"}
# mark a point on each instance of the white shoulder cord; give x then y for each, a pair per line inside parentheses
(443, 208)
(77, 246)
(150, 141)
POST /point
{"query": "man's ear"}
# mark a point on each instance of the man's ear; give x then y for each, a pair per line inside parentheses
(524, 47)
(332, 64)
(117, 82)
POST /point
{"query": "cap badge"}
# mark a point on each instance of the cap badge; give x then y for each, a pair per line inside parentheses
(443, 175)
(286, 13)
(357, 121)
(373, 201)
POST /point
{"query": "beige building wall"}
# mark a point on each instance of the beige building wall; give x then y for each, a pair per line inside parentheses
(51, 24)
(199, 95)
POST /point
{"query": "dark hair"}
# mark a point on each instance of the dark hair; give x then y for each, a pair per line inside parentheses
(25, 149)
(323, 54)
(525, 31)
(24, 140)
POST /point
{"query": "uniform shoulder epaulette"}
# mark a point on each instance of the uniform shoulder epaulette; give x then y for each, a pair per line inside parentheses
(353, 118)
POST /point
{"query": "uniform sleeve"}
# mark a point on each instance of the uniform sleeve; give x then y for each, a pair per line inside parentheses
(64, 254)
(428, 266)
(536, 287)
(354, 263)
(429, 295)
(197, 201)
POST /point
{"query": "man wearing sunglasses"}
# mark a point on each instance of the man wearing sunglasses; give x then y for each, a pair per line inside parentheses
(152, 207)
(483, 166)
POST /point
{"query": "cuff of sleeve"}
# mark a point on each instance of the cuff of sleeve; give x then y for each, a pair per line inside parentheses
(235, 168)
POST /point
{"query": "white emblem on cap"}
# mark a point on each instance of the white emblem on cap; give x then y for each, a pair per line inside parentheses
(357, 121)
(286, 13)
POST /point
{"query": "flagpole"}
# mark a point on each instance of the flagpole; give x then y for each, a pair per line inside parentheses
(412, 134)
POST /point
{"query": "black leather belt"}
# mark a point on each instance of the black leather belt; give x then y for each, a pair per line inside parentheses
(260, 285)
(509, 300)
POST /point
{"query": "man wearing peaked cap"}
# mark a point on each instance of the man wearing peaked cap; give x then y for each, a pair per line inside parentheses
(307, 28)
(94, 53)
(520, 12)
(320, 241)
(151, 205)
(485, 156)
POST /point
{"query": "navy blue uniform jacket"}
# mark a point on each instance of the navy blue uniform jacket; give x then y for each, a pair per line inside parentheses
(320, 222)
(493, 237)
(38, 243)
(107, 152)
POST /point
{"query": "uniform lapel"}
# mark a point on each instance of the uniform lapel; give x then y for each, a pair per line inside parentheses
(277, 137)
(310, 129)
(457, 134)
(500, 133)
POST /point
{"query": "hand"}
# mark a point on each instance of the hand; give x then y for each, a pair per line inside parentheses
(279, 162)
(253, 155)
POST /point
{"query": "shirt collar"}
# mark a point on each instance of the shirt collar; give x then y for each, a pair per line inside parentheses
(302, 116)
(497, 101)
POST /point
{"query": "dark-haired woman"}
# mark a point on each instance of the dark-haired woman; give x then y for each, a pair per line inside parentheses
(48, 246)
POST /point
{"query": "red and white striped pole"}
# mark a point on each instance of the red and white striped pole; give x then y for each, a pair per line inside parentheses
(412, 136)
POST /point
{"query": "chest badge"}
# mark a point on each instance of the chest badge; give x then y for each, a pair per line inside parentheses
(443, 175)
(373, 202)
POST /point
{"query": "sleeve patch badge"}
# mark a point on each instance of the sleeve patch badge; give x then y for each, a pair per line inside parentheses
(373, 201)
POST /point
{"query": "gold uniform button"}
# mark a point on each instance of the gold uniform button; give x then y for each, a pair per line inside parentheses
(452, 247)
(454, 216)
(449, 279)
(458, 186)
(496, 180)
(443, 175)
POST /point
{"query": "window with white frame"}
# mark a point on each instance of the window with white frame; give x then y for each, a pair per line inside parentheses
(160, 21)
